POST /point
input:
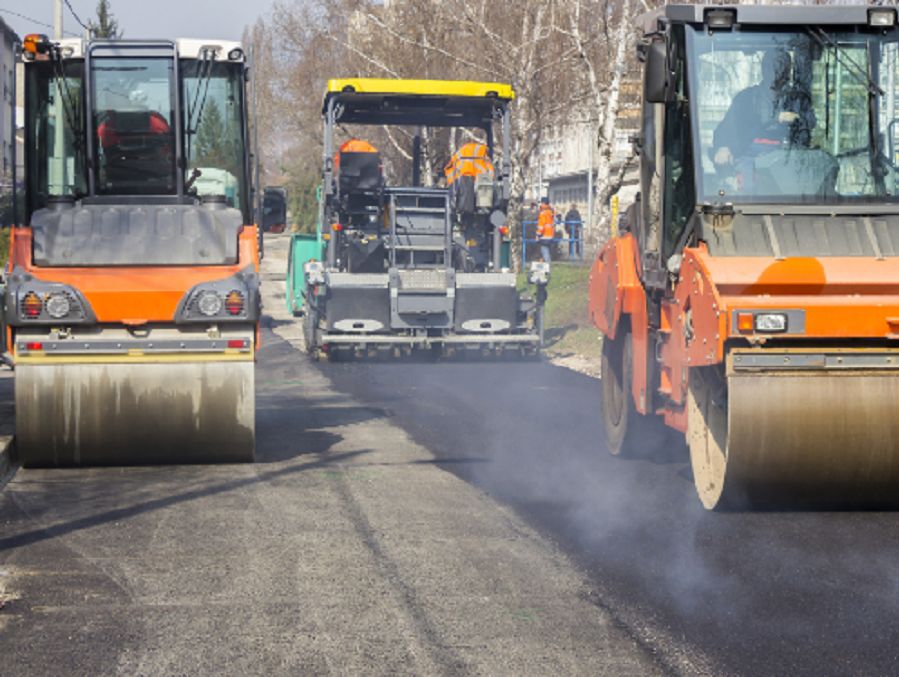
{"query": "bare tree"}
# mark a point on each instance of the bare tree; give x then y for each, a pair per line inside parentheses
(564, 58)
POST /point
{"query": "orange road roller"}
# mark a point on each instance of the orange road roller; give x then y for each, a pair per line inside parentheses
(132, 295)
(750, 297)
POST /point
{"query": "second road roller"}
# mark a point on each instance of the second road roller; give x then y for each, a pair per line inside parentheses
(132, 296)
(750, 298)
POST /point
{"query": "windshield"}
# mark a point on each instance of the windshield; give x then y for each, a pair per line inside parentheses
(54, 147)
(133, 124)
(213, 123)
(795, 117)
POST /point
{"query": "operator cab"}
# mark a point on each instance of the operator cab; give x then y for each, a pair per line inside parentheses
(383, 226)
(763, 110)
(139, 139)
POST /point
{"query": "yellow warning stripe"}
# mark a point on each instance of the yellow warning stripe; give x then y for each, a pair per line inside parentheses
(135, 358)
(459, 88)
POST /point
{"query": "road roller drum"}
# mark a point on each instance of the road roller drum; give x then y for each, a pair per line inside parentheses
(122, 414)
(796, 438)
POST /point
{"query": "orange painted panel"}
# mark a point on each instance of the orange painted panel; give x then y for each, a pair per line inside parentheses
(134, 295)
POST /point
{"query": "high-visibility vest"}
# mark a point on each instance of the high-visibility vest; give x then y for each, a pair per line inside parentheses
(545, 227)
(470, 160)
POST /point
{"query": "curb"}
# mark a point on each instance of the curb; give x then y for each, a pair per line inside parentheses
(7, 455)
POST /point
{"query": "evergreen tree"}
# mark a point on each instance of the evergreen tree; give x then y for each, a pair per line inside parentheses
(106, 25)
(215, 141)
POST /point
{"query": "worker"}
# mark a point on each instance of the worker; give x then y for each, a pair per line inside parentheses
(574, 226)
(546, 230)
(765, 115)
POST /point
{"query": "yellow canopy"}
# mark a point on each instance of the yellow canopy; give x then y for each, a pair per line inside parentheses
(460, 88)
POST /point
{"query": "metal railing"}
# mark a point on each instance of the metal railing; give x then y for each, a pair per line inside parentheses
(575, 244)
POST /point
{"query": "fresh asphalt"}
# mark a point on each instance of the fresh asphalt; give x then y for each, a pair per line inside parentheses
(760, 593)
(345, 549)
(430, 517)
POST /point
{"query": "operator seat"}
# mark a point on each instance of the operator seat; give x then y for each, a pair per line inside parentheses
(137, 153)
(360, 176)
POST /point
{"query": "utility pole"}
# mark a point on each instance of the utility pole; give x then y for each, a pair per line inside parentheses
(58, 158)
(57, 19)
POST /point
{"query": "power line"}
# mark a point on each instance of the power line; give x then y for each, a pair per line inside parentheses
(32, 20)
(80, 22)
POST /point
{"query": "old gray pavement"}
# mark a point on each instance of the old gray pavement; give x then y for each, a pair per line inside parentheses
(345, 549)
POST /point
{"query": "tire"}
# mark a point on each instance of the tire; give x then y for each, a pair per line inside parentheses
(311, 331)
(628, 432)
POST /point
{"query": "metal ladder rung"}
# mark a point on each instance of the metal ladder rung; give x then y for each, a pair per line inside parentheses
(420, 210)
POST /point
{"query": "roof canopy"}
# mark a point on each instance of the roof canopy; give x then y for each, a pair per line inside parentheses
(771, 15)
(430, 103)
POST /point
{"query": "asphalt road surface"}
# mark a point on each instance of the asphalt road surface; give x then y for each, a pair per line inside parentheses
(414, 517)
(344, 550)
(763, 593)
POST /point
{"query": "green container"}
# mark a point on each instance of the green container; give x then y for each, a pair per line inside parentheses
(303, 247)
(505, 254)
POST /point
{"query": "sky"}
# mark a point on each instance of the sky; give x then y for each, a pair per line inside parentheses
(211, 19)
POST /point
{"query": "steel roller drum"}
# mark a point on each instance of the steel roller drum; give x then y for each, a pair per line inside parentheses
(135, 413)
(803, 440)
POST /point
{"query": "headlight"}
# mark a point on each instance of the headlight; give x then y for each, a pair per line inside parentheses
(209, 303)
(33, 301)
(539, 272)
(770, 323)
(314, 272)
(232, 299)
(58, 306)
(881, 18)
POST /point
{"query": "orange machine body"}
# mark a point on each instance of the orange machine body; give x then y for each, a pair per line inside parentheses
(855, 298)
(132, 295)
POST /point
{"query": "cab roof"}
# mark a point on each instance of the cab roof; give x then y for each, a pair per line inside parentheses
(431, 103)
(770, 15)
(188, 48)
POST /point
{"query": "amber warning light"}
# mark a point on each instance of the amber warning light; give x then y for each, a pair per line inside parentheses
(36, 43)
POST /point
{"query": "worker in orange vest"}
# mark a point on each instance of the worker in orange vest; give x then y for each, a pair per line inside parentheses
(546, 229)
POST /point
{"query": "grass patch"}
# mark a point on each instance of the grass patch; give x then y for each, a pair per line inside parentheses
(568, 326)
(4, 246)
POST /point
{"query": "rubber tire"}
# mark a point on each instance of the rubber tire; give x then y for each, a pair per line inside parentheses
(618, 409)
(311, 331)
(628, 432)
(707, 437)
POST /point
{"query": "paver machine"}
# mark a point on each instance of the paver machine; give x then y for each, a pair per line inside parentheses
(751, 299)
(409, 266)
(132, 298)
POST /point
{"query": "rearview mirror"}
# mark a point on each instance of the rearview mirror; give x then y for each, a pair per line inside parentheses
(655, 77)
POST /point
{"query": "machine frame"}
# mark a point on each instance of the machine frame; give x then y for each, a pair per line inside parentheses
(428, 301)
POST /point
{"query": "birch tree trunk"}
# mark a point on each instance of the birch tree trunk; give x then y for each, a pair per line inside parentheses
(605, 184)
